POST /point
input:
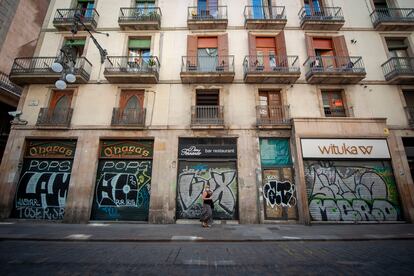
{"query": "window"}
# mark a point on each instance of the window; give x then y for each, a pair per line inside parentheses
(78, 44)
(313, 7)
(131, 107)
(398, 49)
(330, 52)
(267, 53)
(207, 98)
(207, 53)
(144, 7)
(380, 4)
(270, 105)
(59, 106)
(86, 6)
(333, 104)
(139, 52)
(207, 8)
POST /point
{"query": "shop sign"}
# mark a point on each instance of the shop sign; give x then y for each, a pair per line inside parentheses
(345, 148)
(126, 149)
(50, 149)
(207, 151)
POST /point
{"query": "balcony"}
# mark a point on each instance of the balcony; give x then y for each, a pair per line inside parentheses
(128, 117)
(9, 87)
(203, 19)
(338, 112)
(399, 70)
(268, 116)
(54, 117)
(393, 19)
(334, 70)
(64, 18)
(38, 70)
(207, 116)
(327, 18)
(264, 17)
(140, 18)
(125, 69)
(206, 69)
(409, 110)
(271, 69)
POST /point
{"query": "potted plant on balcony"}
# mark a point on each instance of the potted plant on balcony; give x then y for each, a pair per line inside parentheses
(152, 64)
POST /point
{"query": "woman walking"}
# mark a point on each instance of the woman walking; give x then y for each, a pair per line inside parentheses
(207, 212)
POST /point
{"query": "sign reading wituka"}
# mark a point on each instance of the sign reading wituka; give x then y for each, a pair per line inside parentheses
(345, 148)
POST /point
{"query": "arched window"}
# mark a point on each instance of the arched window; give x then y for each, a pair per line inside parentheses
(133, 103)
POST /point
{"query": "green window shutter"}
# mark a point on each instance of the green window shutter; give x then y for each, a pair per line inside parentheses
(75, 42)
(139, 43)
(275, 152)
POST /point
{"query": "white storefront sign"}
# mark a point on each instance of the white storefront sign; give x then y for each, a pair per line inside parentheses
(345, 148)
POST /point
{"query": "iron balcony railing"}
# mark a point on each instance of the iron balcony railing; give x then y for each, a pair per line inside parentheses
(128, 117)
(409, 110)
(9, 86)
(392, 15)
(42, 65)
(272, 115)
(68, 15)
(55, 117)
(207, 64)
(321, 14)
(266, 64)
(207, 115)
(398, 66)
(334, 64)
(264, 13)
(338, 112)
(132, 64)
(140, 14)
(209, 13)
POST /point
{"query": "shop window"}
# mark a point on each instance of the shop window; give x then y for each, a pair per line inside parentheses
(78, 44)
(86, 7)
(333, 104)
(208, 54)
(139, 52)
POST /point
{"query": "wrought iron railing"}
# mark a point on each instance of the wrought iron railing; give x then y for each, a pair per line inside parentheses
(409, 110)
(272, 115)
(9, 86)
(128, 117)
(334, 64)
(144, 14)
(209, 13)
(207, 115)
(392, 15)
(207, 64)
(55, 117)
(266, 64)
(398, 66)
(321, 14)
(338, 112)
(132, 64)
(264, 12)
(68, 16)
(42, 65)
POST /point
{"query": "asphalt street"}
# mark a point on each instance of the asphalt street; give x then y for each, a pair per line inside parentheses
(395, 257)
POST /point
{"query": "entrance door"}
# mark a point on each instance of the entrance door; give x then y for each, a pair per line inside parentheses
(266, 52)
(192, 178)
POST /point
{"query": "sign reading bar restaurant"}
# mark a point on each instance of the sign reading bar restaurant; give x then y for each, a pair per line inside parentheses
(207, 151)
(345, 148)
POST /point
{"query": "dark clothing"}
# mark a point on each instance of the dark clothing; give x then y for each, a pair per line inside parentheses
(207, 212)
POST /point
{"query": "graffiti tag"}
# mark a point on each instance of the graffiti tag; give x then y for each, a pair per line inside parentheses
(279, 194)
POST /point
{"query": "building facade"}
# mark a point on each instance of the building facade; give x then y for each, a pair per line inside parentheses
(293, 111)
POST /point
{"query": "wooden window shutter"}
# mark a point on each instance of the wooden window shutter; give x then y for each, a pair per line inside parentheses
(252, 48)
(191, 50)
(340, 48)
(281, 44)
(223, 50)
(309, 45)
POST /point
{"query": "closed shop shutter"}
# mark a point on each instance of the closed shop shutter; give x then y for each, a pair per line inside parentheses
(352, 191)
(44, 181)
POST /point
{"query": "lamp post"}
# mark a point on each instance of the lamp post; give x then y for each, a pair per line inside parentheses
(66, 61)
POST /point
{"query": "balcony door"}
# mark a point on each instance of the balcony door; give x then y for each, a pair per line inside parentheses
(324, 53)
(266, 53)
(139, 53)
(398, 49)
(87, 7)
(207, 105)
(131, 106)
(313, 7)
(270, 106)
(333, 104)
(207, 8)
(59, 106)
(207, 54)
(144, 7)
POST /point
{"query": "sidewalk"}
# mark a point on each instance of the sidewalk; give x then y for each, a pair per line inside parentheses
(116, 232)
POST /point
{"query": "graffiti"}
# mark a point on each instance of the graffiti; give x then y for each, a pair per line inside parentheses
(122, 190)
(42, 189)
(341, 191)
(194, 176)
(279, 194)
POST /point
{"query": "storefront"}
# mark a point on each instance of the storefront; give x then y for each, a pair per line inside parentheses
(278, 186)
(123, 182)
(205, 161)
(44, 180)
(350, 180)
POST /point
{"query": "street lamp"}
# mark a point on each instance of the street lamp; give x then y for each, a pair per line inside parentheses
(66, 61)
